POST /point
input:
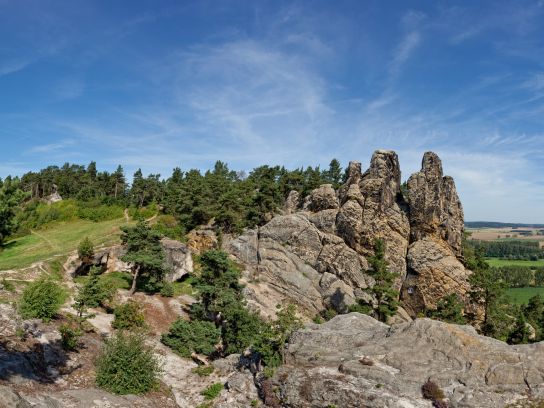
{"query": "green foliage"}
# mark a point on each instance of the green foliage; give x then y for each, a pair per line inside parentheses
(42, 299)
(386, 297)
(213, 391)
(195, 336)
(203, 371)
(534, 313)
(94, 292)
(10, 197)
(273, 338)
(126, 365)
(520, 332)
(85, 250)
(167, 289)
(509, 249)
(488, 291)
(7, 285)
(145, 253)
(70, 337)
(128, 316)
(448, 309)
(96, 211)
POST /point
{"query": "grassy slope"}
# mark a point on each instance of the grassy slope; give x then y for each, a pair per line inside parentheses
(506, 262)
(522, 295)
(58, 239)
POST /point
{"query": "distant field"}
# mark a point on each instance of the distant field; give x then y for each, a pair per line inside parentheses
(56, 240)
(522, 295)
(507, 262)
(505, 233)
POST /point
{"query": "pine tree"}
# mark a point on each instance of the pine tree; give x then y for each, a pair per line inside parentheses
(386, 296)
(334, 174)
(144, 252)
(520, 332)
(120, 182)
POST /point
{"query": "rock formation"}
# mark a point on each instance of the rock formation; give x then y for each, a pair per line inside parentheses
(354, 361)
(178, 260)
(436, 233)
(315, 254)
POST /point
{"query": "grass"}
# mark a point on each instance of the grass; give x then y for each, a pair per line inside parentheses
(521, 296)
(59, 239)
(119, 280)
(513, 262)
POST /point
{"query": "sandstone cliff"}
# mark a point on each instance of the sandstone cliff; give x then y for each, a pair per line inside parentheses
(315, 254)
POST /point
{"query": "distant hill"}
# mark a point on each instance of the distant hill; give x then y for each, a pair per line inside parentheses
(492, 224)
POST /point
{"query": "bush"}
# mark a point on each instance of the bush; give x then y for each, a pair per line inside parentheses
(69, 337)
(167, 289)
(126, 365)
(85, 251)
(196, 336)
(128, 316)
(41, 299)
(213, 391)
(432, 391)
(94, 211)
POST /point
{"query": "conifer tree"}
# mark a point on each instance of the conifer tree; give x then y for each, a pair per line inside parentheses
(144, 252)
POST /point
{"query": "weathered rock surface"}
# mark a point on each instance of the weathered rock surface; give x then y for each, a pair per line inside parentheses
(436, 232)
(435, 208)
(179, 260)
(355, 361)
(317, 256)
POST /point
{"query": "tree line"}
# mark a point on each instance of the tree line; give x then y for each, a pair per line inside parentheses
(235, 200)
(514, 249)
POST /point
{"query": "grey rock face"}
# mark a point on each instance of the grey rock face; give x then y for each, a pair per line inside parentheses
(178, 259)
(11, 399)
(317, 257)
(354, 360)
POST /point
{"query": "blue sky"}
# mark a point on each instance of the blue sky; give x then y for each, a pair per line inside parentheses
(159, 84)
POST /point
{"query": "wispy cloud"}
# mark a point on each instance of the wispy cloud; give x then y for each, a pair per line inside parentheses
(13, 66)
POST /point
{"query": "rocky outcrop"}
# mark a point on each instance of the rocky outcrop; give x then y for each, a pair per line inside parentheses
(178, 256)
(373, 208)
(435, 208)
(178, 259)
(436, 233)
(354, 361)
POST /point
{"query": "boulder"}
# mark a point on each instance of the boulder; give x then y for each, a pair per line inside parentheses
(433, 273)
(178, 258)
(322, 198)
(354, 360)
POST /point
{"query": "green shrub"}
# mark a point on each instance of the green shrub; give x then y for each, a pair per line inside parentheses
(203, 371)
(196, 336)
(167, 289)
(128, 316)
(85, 250)
(126, 365)
(7, 285)
(41, 299)
(213, 391)
(94, 211)
(69, 337)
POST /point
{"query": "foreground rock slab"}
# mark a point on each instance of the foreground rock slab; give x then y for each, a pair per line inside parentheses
(355, 361)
